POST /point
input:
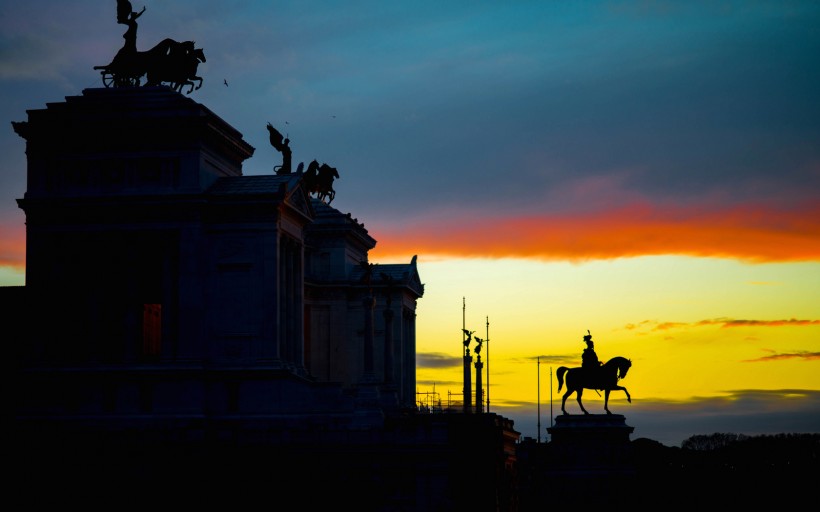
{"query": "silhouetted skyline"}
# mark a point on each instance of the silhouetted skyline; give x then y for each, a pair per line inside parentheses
(643, 170)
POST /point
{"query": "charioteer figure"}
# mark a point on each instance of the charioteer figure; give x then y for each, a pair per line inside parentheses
(172, 63)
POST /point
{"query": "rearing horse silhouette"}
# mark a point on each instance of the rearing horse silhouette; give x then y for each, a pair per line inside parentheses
(319, 181)
(606, 377)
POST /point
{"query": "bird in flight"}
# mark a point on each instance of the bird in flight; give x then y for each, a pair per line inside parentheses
(226, 82)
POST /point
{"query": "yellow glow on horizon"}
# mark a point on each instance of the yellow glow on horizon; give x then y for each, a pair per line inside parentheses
(12, 276)
(669, 314)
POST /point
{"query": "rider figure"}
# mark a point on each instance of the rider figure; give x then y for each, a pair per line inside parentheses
(589, 359)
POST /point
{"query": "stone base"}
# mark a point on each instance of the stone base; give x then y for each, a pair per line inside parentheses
(587, 463)
(598, 429)
(590, 442)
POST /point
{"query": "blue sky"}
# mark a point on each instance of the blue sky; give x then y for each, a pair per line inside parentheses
(551, 132)
(680, 102)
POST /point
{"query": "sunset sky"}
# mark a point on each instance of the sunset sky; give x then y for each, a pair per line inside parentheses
(648, 171)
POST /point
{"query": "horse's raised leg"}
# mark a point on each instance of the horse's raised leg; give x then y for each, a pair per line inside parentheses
(628, 398)
(606, 396)
(621, 388)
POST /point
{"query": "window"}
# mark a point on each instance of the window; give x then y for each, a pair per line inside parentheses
(151, 330)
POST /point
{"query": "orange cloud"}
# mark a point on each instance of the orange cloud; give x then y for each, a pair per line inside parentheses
(770, 323)
(725, 322)
(664, 326)
(808, 356)
(748, 232)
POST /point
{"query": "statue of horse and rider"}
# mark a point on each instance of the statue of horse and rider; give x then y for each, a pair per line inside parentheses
(593, 375)
(318, 179)
(170, 62)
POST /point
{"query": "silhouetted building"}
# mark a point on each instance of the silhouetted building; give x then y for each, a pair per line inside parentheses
(182, 322)
(147, 249)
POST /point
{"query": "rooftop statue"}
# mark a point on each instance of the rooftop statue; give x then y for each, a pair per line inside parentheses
(282, 145)
(319, 181)
(170, 62)
(125, 11)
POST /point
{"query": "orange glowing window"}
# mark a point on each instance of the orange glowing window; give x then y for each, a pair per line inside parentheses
(151, 330)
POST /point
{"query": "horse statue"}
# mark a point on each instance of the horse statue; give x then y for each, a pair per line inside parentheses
(319, 181)
(325, 190)
(606, 378)
(175, 63)
(169, 62)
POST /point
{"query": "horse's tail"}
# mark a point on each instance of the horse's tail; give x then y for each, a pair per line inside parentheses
(560, 373)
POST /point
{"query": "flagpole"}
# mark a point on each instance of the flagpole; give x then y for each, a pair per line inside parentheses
(463, 313)
(539, 399)
(487, 341)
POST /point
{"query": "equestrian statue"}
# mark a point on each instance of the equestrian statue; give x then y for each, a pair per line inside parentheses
(593, 375)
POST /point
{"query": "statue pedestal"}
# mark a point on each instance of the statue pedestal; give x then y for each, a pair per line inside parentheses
(587, 463)
(590, 442)
(589, 456)
(590, 430)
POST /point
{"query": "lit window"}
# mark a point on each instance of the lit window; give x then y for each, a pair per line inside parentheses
(151, 330)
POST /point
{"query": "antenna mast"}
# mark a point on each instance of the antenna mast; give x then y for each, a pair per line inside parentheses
(487, 341)
(539, 399)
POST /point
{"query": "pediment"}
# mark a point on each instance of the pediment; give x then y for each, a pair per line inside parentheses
(404, 275)
(297, 199)
(414, 282)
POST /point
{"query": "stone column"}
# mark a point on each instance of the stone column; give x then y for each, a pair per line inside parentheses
(479, 397)
(368, 303)
(468, 390)
(368, 413)
(388, 347)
